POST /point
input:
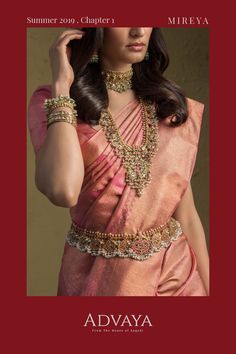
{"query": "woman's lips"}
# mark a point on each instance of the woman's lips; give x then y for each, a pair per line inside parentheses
(137, 47)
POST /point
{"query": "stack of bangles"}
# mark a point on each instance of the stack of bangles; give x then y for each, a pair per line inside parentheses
(54, 115)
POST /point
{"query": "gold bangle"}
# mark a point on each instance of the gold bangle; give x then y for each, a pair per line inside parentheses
(61, 105)
(61, 116)
(61, 113)
(59, 101)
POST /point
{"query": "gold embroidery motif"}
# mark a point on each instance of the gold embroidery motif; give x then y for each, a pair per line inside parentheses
(140, 245)
(135, 158)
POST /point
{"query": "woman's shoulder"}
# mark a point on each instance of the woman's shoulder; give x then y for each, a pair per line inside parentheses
(190, 130)
(195, 106)
(195, 111)
(37, 120)
(42, 91)
(36, 102)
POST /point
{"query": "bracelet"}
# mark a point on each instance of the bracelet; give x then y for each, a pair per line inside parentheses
(61, 105)
(59, 101)
(62, 116)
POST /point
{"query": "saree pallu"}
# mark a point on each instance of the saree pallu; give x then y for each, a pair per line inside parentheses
(107, 204)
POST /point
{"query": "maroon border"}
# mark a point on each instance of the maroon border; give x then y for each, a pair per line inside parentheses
(45, 324)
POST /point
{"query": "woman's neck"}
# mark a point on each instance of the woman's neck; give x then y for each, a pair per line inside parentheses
(119, 67)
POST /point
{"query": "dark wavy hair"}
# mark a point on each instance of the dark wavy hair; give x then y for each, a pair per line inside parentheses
(89, 90)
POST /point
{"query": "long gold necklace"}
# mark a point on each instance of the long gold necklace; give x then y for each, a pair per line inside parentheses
(118, 81)
(136, 158)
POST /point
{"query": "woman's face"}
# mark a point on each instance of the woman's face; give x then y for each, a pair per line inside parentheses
(125, 45)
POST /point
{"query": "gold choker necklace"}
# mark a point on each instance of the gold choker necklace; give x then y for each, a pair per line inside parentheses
(118, 81)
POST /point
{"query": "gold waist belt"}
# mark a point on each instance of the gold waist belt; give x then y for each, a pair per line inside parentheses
(140, 245)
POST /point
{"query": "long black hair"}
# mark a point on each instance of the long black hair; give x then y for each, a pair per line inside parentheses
(89, 90)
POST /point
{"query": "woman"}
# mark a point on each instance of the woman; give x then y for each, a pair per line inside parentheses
(123, 165)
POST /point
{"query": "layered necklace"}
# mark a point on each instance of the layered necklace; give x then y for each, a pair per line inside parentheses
(135, 158)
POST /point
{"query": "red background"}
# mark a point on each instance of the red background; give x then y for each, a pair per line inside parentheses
(49, 324)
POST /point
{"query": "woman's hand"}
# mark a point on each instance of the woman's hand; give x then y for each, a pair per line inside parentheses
(62, 71)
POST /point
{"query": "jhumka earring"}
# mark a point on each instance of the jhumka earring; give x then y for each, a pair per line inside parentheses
(146, 56)
(94, 58)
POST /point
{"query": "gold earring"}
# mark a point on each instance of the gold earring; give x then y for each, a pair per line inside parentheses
(94, 58)
(147, 56)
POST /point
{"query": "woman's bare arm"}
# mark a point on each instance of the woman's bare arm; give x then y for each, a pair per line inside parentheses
(187, 215)
(59, 163)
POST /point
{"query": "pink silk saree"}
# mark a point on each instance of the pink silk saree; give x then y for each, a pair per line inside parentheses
(107, 204)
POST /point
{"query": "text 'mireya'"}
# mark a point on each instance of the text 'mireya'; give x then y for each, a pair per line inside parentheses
(192, 20)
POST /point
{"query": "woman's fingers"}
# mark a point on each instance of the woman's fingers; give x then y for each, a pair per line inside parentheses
(69, 37)
(67, 34)
(68, 52)
(71, 31)
(60, 55)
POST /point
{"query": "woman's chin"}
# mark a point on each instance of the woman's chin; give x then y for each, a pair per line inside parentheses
(137, 58)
